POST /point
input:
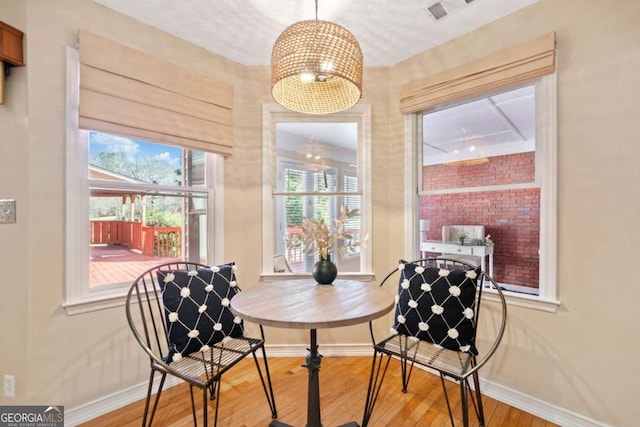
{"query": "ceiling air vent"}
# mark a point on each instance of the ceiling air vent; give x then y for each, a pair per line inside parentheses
(437, 11)
(444, 8)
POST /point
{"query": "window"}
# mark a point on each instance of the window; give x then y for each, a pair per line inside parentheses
(315, 167)
(131, 204)
(148, 205)
(491, 161)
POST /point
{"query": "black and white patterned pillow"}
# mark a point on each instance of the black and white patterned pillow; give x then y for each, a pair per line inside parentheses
(196, 308)
(437, 305)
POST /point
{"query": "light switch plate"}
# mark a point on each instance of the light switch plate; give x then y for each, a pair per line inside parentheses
(7, 210)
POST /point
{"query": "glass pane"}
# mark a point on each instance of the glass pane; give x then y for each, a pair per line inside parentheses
(327, 209)
(130, 233)
(510, 217)
(195, 168)
(117, 158)
(490, 141)
(350, 184)
(310, 156)
(132, 226)
(320, 160)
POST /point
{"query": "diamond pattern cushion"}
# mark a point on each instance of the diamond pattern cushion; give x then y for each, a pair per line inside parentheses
(437, 305)
(196, 306)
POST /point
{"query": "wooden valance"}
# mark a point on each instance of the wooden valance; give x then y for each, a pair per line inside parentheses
(11, 45)
(127, 92)
(11, 52)
(497, 71)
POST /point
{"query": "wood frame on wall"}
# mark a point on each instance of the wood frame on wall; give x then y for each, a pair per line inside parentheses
(2, 83)
(11, 53)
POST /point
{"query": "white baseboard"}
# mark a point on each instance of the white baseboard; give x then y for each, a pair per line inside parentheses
(88, 411)
(537, 407)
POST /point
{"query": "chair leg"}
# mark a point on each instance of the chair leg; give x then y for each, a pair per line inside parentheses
(155, 402)
(479, 408)
(209, 393)
(406, 367)
(217, 399)
(464, 402)
(205, 407)
(465, 394)
(446, 398)
(212, 389)
(378, 371)
(267, 387)
(146, 403)
(193, 406)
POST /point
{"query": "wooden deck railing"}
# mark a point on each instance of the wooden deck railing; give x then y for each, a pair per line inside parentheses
(154, 241)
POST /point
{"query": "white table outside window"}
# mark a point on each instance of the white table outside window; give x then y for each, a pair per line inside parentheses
(482, 251)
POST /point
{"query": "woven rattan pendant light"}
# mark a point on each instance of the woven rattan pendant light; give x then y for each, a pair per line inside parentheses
(316, 67)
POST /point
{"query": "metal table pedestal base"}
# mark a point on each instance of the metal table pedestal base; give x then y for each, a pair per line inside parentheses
(313, 402)
(279, 424)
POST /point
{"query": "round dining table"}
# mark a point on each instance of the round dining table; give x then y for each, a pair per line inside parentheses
(304, 304)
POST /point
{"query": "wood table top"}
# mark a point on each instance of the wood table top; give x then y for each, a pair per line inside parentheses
(304, 304)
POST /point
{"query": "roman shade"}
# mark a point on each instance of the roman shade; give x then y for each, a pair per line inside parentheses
(497, 71)
(127, 92)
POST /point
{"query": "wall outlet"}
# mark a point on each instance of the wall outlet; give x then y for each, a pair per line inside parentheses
(7, 210)
(9, 386)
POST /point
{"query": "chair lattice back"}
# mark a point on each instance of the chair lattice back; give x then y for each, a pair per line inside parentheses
(148, 320)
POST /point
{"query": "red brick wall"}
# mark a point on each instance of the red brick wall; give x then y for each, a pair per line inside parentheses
(499, 170)
(511, 217)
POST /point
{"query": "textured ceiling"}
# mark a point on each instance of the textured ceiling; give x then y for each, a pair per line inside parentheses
(244, 31)
(389, 31)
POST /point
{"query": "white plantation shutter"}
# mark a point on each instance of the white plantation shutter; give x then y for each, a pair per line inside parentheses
(350, 185)
(294, 181)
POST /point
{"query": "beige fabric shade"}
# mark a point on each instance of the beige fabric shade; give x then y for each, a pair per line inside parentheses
(505, 68)
(127, 92)
(316, 68)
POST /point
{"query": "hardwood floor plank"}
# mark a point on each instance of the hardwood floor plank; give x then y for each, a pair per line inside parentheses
(343, 388)
(525, 419)
(512, 417)
(538, 423)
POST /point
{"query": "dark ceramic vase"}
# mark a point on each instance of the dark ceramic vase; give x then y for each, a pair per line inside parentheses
(324, 271)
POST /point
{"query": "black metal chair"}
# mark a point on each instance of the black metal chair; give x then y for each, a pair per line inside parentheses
(179, 313)
(437, 313)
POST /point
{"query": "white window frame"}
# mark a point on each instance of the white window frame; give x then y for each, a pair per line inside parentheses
(273, 114)
(79, 296)
(546, 180)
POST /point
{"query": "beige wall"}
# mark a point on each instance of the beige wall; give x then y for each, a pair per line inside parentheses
(576, 358)
(56, 357)
(563, 358)
(14, 184)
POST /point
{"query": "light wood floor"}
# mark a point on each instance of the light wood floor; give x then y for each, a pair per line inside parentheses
(343, 382)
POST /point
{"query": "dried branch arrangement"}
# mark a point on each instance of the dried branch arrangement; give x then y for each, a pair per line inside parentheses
(319, 237)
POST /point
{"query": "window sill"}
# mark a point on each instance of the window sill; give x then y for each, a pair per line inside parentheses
(94, 303)
(523, 300)
(277, 277)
